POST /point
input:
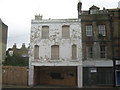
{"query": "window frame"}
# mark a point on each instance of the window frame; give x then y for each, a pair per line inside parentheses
(102, 30)
(102, 51)
(89, 30)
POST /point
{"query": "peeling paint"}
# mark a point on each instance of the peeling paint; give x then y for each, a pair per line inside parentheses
(55, 38)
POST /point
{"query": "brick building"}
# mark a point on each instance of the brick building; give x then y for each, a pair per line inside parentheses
(23, 51)
(3, 40)
(55, 52)
(101, 42)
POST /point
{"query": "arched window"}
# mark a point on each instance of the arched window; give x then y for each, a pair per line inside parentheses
(74, 52)
(36, 52)
(54, 52)
(65, 31)
(45, 31)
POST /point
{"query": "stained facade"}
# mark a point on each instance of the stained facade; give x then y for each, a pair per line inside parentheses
(55, 52)
(100, 41)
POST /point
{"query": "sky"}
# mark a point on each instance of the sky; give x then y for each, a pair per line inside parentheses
(17, 14)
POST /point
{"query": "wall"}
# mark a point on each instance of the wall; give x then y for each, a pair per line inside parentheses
(14, 75)
(55, 38)
(3, 40)
(0, 41)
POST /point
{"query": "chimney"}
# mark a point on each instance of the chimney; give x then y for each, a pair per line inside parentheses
(14, 46)
(38, 17)
(23, 46)
(79, 8)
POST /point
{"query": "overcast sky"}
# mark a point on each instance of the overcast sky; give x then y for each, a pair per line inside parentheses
(17, 14)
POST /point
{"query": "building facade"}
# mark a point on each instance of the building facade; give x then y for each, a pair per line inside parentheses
(22, 52)
(3, 40)
(55, 52)
(100, 41)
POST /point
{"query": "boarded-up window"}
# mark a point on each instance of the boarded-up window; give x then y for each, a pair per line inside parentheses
(65, 31)
(45, 31)
(36, 52)
(74, 52)
(54, 52)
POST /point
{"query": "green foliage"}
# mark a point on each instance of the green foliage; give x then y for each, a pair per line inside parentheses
(15, 60)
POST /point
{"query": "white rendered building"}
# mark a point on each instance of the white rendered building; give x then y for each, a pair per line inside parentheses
(55, 55)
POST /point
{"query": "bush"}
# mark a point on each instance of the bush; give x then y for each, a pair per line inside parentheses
(15, 60)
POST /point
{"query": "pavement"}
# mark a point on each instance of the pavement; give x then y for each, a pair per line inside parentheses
(42, 87)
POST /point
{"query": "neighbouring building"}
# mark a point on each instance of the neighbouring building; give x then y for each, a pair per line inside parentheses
(101, 43)
(55, 55)
(17, 56)
(3, 40)
(23, 51)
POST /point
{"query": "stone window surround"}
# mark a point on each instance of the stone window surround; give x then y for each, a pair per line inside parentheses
(101, 29)
(89, 31)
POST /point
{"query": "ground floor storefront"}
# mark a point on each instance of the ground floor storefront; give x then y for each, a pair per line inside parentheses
(56, 75)
(66, 76)
(98, 76)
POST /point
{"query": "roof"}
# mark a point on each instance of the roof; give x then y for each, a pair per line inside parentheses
(94, 7)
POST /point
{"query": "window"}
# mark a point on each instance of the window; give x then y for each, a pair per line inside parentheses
(89, 52)
(102, 51)
(54, 52)
(74, 52)
(36, 52)
(89, 30)
(65, 31)
(45, 31)
(93, 11)
(102, 30)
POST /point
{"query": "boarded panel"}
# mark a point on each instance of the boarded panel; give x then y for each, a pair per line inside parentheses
(65, 31)
(55, 52)
(45, 32)
(66, 76)
(14, 75)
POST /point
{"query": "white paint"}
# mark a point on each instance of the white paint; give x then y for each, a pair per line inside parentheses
(55, 38)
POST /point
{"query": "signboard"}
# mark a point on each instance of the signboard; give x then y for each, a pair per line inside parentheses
(117, 77)
(93, 70)
(117, 62)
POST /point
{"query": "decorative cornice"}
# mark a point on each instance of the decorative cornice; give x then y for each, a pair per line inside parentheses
(55, 21)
